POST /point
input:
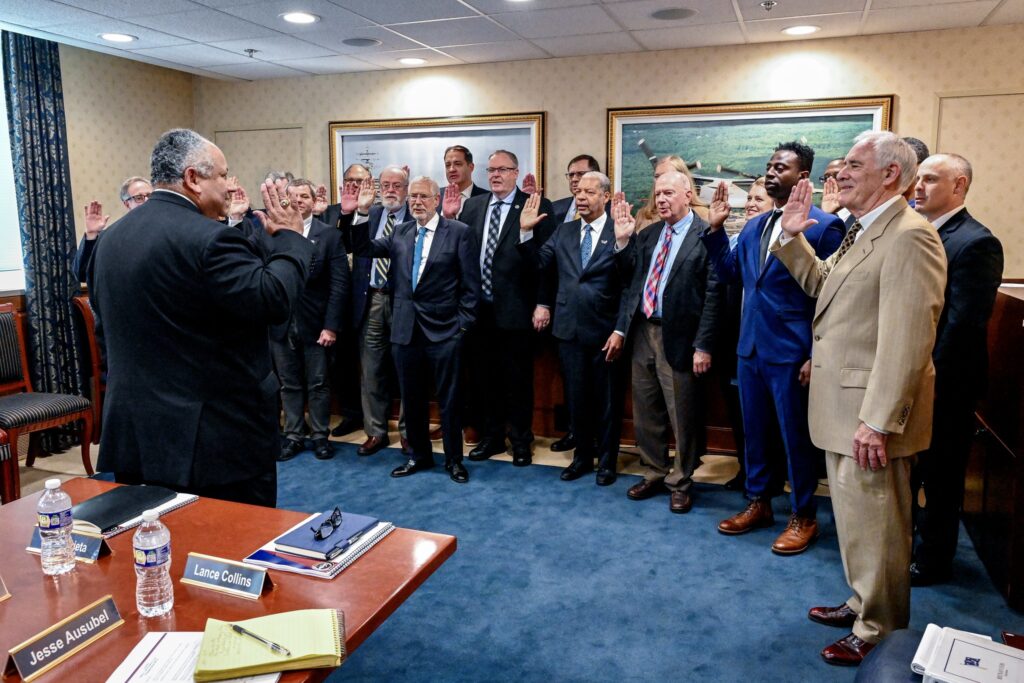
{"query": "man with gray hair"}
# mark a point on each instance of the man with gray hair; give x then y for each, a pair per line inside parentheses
(185, 303)
(872, 378)
(133, 193)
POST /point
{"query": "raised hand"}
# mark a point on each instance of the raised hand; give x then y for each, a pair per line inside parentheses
(719, 210)
(830, 196)
(95, 221)
(529, 217)
(320, 203)
(625, 224)
(452, 202)
(280, 213)
(239, 203)
(794, 215)
(367, 193)
(530, 184)
(349, 195)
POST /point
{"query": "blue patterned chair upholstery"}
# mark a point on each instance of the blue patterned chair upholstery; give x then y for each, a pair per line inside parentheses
(23, 411)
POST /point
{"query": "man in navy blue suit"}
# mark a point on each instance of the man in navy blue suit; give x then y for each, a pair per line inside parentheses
(593, 256)
(435, 280)
(774, 349)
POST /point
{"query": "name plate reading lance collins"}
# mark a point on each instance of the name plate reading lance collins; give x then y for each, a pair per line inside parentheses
(89, 547)
(226, 576)
(42, 652)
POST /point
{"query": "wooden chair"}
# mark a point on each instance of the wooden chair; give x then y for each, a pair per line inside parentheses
(5, 455)
(23, 411)
(97, 383)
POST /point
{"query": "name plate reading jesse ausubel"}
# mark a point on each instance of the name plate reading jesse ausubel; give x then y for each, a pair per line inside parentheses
(42, 652)
(226, 576)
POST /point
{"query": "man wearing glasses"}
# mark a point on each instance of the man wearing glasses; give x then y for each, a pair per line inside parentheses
(500, 348)
(134, 192)
(340, 215)
(565, 208)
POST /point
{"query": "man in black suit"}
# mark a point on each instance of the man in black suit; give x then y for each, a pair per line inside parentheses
(340, 215)
(435, 279)
(593, 256)
(974, 269)
(565, 208)
(458, 169)
(301, 347)
(673, 313)
(500, 348)
(134, 193)
(185, 304)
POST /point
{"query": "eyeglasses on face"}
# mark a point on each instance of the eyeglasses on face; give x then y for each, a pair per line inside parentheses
(491, 170)
(575, 175)
(140, 198)
(327, 528)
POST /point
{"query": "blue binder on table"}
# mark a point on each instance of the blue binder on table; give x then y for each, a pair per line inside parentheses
(302, 542)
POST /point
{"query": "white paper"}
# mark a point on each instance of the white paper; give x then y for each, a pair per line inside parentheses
(169, 658)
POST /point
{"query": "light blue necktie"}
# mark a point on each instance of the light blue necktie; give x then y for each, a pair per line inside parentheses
(417, 256)
(586, 245)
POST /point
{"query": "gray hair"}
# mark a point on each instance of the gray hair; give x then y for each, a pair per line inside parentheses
(128, 182)
(177, 150)
(395, 168)
(606, 185)
(435, 189)
(890, 149)
(274, 176)
(351, 166)
(302, 182)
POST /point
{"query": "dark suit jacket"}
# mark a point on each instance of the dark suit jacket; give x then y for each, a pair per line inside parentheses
(589, 301)
(514, 279)
(559, 209)
(777, 314)
(974, 270)
(362, 266)
(693, 300)
(185, 304)
(324, 301)
(444, 303)
(83, 258)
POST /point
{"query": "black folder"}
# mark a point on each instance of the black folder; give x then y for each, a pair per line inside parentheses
(118, 505)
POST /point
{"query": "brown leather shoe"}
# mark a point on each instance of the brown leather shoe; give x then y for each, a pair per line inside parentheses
(680, 502)
(842, 616)
(757, 514)
(435, 433)
(373, 444)
(647, 488)
(797, 537)
(848, 651)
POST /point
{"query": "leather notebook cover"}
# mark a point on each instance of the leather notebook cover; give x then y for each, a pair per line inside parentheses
(118, 505)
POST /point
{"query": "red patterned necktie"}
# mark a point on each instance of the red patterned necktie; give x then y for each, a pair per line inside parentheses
(654, 279)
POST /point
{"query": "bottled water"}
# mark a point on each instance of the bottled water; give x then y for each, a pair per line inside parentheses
(154, 592)
(57, 549)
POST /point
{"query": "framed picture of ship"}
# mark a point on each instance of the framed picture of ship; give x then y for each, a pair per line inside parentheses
(420, 144)
(733, 141)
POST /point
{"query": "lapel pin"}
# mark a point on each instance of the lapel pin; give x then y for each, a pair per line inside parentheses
(604, 241)
(515, 206)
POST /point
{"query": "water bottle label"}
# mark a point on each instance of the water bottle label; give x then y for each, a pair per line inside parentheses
(152, 557)
(55, 520)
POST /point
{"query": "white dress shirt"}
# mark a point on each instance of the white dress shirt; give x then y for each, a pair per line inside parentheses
(506, 206)
(428, 239)
(944, 218)
(597, 226)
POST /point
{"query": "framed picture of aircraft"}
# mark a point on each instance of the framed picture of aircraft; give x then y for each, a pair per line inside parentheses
(733, 142)
(420, 144)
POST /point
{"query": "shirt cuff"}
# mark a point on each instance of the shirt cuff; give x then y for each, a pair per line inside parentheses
(875, 429)
(620, 333)
(360, 218)
(525, 236)
(232, 222)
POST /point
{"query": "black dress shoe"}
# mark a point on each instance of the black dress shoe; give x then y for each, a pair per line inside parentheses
(290, 450)
(923, 575)
(346, 426)
(566, 443)
(575, 471)
(521, 456)
(486, 449)
(322, 450)
(373, 444)
(458, 472)
(606, 477)
(411, 467)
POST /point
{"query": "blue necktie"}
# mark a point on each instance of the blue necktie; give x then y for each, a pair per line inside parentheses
(586, 245)
(417, 256)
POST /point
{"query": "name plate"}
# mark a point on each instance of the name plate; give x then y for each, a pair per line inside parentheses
(42, 652)
(88, 546)
(4, 593)
(226, 576)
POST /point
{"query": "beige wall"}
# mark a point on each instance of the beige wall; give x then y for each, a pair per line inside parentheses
(115, 110)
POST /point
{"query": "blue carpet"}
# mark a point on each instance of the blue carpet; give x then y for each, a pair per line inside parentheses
(556, 581)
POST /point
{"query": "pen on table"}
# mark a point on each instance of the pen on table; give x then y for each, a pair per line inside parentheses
(273, 646)
(342, 547)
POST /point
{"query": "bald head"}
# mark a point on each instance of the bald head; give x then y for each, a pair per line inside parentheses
(672, 195)
(942, 184)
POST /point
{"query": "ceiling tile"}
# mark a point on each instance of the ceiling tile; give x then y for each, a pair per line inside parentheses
(219, 4)
(495, 6)
(507, 51)
(907, 19)
(333, 39)
(397, 11)
(91, 30)
(335, 64)
(36, 13)
(637, 14)
(690, 36)
(194, 54)
(204, 25)
(1010, 12)
(268, 14)
(274, 48)
(389, 60)
(455, 31)
(572, 46)
(256, 69)
(551, 23)
(751, 10)
(832, 26)
(131, 8)
(896, 4)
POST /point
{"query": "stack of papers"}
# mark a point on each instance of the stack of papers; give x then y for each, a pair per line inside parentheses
(947, 655)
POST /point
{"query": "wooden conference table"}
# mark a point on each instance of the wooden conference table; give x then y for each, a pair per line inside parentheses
(367, 592)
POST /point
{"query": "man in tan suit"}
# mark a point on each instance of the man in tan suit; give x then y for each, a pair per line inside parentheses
(872, 378)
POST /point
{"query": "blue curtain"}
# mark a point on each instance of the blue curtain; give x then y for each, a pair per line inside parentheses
(39, 150)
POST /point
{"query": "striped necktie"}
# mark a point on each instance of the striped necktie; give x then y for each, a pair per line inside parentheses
(486, 271)
(381, 265)
(654, 281)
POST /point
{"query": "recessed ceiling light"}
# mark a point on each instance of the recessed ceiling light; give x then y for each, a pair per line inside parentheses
(673, 14)
(362, 42)
(412, 61)
(801, 30)
(300, 18)
(118, 37)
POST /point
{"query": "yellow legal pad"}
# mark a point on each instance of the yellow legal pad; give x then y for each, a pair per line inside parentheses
(315, 638)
